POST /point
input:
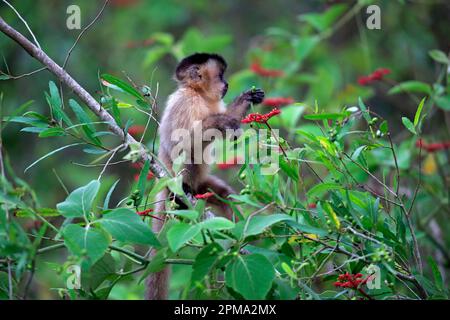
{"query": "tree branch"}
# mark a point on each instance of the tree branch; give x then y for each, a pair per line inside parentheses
(85, 96)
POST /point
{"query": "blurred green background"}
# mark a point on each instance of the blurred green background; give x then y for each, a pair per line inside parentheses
(145, 39)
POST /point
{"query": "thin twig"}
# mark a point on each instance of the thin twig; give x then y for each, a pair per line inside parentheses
(24, 74)
(24, 22)
(82, 32)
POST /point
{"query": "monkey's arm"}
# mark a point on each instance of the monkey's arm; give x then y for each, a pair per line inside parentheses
(239, 107)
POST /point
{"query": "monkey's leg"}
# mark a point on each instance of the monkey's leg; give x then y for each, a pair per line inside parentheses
(222, 189)
(157, 284)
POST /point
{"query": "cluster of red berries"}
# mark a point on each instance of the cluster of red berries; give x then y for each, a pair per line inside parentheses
(138, 166)
(145, 213)
(136, 130)
(433, 147)
(278, 101)
(204, 195)
(374, 76)
(348, 280)
(260, 118)
(260, 70)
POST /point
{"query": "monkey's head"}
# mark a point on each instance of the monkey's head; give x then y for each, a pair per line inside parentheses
(203, 72)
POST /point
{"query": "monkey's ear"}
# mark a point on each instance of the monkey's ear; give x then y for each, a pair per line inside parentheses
(191, 72)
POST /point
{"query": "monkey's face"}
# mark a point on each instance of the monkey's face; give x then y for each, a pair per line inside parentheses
(207, 78)
(214, 80)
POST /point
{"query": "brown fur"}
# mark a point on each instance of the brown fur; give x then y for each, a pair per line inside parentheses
(198, 97)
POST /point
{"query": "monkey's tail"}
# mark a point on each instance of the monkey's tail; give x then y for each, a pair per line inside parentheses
(157, 284)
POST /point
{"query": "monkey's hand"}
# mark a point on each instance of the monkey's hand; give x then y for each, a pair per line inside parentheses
(254, 96)
(241, 104)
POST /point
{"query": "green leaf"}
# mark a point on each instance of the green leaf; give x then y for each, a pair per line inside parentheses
(108, 196)
(439, 56)
(443, 102)
(124, 86)
(85, 242)
(217, 223)
(204, 261)
(188, 214)
(82, 117)
(306, 228)
(411, 86)
(52, 132)
(322, 21)
(125, 225)
(98, 273)
(436, 273)
(409, 125)
(364, 110)
(49, 154)
(258, 224)
(326, 116)
(179, 234)
(250, 275)
(154, 54)
(418, 112)
(55, 103)
(176, 185)
(321, 188)
(79, 202)
(143, 180)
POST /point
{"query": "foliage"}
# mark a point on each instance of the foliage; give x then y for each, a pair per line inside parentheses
(353, 193)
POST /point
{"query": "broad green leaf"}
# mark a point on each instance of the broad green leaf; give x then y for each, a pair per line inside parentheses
(444, 102)
(250, 275)
(204, 261)
(217, 223)
(102, 270)
(321, 188)
(79, 202)
(156, 264)
(439, 56)
(290, 168)
(176, 185)
(409, 125)
(154, 54)
(303, 46)
(322, 21)
(124, 86)
(258, 224)
(179, 234)
(86, 241)
(125, 225)
(188, 214)
(411, 86)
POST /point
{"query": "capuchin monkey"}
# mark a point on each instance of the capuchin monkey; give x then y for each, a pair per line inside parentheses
(196, 104)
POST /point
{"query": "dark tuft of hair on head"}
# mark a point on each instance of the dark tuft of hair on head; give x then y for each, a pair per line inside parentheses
(198, 59)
